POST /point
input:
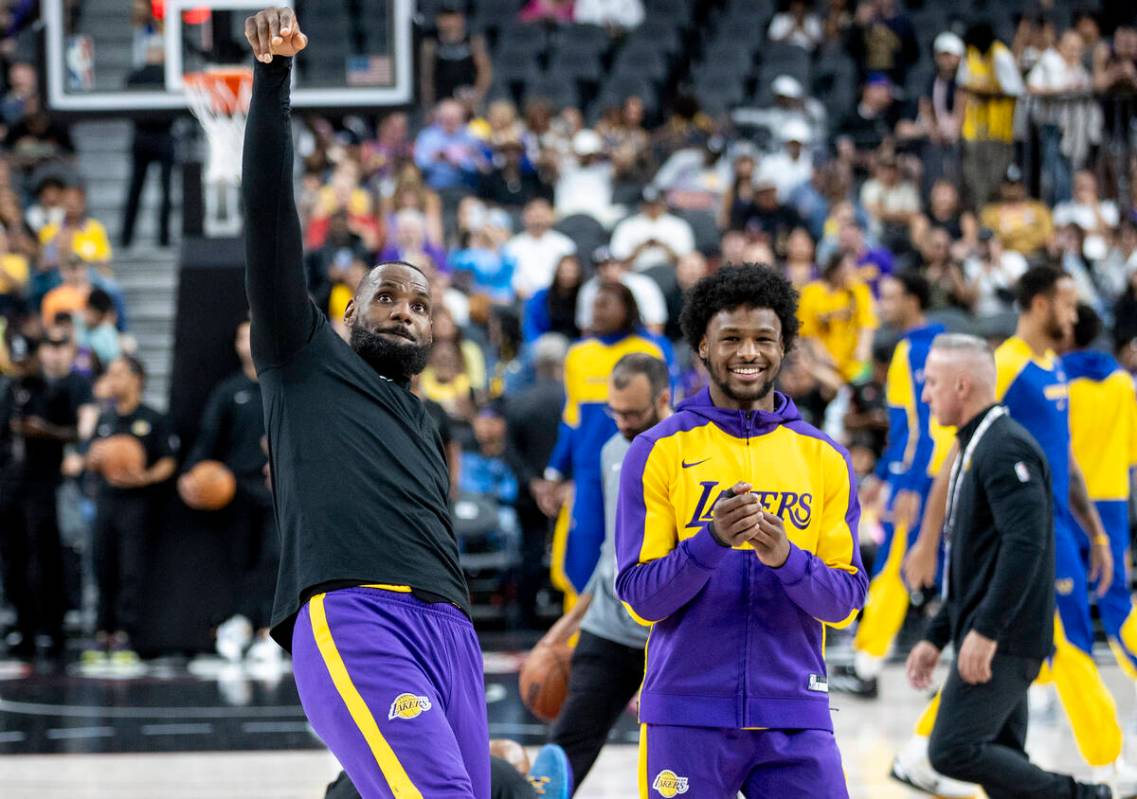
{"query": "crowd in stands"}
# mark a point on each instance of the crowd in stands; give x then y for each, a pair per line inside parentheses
(965, 154)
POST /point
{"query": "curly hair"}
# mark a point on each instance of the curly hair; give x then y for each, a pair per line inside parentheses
(745, 285)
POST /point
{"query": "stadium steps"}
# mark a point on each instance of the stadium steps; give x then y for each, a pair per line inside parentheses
(108, 22)
(146, 274)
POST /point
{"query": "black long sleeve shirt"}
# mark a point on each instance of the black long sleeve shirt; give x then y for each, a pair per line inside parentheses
(359, 475)
(231, 428)
(1001, 569)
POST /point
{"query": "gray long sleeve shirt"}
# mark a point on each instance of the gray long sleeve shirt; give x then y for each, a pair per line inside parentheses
(606, 617)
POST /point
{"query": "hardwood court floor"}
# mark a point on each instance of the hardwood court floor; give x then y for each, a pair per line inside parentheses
(280, 760)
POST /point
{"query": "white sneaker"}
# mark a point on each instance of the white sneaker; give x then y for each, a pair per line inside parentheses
(1122, 776)
(1042, 700)
(867, 666)
(233, 638)
(912, 767)
(264, 651)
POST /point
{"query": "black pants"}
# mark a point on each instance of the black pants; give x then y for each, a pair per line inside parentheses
(531, 574)
(980, 734)
(33, 560)
(149, 148)
(605, 676)
(119, 550)
(254, 552)
(506, 782)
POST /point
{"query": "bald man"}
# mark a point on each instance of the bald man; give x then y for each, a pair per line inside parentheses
(999, 601)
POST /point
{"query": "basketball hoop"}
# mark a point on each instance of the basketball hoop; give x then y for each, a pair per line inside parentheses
(219, 98)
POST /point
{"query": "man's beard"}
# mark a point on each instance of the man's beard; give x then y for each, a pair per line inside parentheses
(722, 380)
(630, 435)
(390, 359)
(1054, 330)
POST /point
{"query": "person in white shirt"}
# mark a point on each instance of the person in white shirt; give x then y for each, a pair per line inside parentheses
(584, 185)
(1069, 118)
(616, 15)
(695, 178)
(537, 250)
(796, 26)
(993, 272)
(652, 236)
(648, 294)
(1096, 217)
(793, 164)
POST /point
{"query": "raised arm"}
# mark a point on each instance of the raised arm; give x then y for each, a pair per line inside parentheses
(283, 316)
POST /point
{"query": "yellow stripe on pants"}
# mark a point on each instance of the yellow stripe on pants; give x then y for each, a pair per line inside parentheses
(887, 602)
(645, 783)
(392, 770)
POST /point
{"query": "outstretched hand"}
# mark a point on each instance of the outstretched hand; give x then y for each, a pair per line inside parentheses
(274, 31)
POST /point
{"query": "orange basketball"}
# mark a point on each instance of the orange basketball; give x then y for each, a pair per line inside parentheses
(208, 486)
(544, 680)
(118, 456)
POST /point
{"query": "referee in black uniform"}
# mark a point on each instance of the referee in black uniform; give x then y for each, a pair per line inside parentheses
(999, 585)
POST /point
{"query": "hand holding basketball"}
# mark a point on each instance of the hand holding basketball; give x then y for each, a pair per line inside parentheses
(274, 31)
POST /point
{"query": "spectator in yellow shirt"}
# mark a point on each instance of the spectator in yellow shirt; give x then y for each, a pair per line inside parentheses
(1021, 224)
(13, 274)
(88, 236)
(837, 313)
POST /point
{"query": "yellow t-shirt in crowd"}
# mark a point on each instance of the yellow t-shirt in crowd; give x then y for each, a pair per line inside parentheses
(89, 242)
(835, 317)
(1024, 227)
(13, 273)
(337, 302)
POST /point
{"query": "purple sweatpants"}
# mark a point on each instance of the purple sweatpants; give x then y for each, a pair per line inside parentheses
(716, 763)
(394, 686)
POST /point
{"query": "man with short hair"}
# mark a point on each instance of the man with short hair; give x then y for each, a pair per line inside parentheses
(736, 537)
(370, 597)
(608, 661)
(1032, 384)
(231, 430)
(124, 507)
(999, 591)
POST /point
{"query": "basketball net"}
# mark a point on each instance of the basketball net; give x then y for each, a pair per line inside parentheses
(219, 98)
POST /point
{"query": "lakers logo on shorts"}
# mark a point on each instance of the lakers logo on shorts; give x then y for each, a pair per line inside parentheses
(668, 784)
(408, 706)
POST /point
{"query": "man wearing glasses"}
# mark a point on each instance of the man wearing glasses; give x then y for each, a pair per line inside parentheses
(608, 662)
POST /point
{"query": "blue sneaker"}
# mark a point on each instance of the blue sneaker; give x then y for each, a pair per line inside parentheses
(550, 774)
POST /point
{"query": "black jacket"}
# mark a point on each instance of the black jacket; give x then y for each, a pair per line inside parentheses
(1001, 569)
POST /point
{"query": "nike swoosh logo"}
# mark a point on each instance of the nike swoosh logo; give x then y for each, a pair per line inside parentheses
(696, 463)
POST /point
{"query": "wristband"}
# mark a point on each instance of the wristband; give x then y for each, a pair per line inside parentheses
(1101, 540)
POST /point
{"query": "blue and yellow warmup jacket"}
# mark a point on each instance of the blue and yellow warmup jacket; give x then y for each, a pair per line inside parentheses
(917, 444)
(1103, 422)
(585, 428)
(735, 643)
(1037, 395)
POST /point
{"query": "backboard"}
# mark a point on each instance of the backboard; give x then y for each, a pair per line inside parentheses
(96, 51)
